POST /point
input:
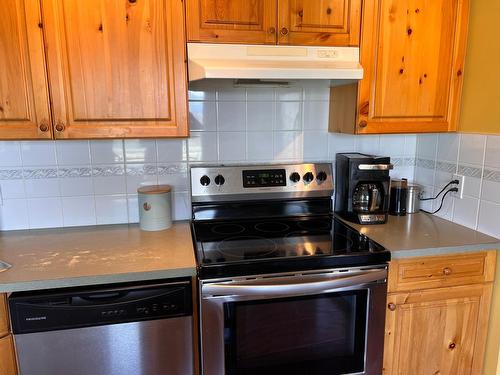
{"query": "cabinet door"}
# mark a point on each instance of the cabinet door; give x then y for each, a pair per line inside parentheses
(232, 21)
(7, 356)
(24, 100)
(117, 68)
(437, 331)
(4, 321)
(319, 22)
(413, 53)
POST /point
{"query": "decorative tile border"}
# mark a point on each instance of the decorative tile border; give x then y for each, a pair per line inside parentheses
(492, 175)
(463, 169)
(95, 171)
(470, 171)
(426, 163)
(445, 166)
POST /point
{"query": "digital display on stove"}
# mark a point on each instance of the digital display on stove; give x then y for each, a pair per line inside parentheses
(264, 178)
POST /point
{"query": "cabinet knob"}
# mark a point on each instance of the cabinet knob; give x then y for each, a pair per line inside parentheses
(284, 31)
(363, 124)
(391, 306)
(446, 271)
(44, 126)
(452, 346)
(60, 126)
(272, 30)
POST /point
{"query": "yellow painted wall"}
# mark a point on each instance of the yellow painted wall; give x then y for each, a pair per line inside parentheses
(481, 92)
(493, 344)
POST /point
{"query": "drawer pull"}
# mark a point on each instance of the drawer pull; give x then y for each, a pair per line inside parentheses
(447, 271)
(284, 31)
(391, 306)
(452, 346)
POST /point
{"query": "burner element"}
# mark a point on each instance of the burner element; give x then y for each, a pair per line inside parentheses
(270, 227)
(250, 246)
(228, 229)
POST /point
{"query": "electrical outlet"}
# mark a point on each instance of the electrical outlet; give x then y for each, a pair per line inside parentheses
(460, 186)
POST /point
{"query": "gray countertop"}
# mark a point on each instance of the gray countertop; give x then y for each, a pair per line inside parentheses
(422, 234)
(55, 258)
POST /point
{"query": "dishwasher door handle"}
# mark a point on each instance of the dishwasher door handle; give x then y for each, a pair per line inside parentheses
(280, 287)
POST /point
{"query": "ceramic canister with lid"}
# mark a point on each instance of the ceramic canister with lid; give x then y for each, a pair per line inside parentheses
(155, 212)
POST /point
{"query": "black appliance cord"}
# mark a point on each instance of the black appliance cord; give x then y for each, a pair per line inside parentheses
(442, 201)
(441, 192)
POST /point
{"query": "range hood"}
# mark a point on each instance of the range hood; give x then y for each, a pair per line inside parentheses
(260, 62)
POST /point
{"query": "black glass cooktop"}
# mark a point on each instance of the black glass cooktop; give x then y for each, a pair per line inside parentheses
(245, 247)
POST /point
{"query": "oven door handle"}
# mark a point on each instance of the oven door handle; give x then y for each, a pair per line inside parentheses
(280, 287)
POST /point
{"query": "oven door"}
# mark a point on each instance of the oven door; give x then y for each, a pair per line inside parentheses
(329, 322)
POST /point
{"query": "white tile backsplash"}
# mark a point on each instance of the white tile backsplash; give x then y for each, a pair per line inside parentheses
(231, 116)
(68, 183)
(107, 151)
(73, 153)
(463, 154)
(41, 153)
(289, 116)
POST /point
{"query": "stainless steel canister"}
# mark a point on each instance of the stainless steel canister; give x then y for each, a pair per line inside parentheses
(155, 212)
(413, 198)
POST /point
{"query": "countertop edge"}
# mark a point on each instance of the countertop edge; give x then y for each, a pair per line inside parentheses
(96, 280)
(402, 254)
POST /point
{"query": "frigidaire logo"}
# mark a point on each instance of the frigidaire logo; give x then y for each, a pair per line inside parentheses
(37, 318)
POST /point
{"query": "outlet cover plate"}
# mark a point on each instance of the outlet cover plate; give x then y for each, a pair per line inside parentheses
(460, 193)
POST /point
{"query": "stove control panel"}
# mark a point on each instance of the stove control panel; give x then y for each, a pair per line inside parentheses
(263, 178)
(253, 182)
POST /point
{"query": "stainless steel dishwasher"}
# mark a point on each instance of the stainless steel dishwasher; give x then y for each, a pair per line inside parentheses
(134, 329)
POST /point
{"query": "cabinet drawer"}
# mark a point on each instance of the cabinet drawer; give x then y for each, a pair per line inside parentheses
(4, 321)
(441, 271)
(7, 357)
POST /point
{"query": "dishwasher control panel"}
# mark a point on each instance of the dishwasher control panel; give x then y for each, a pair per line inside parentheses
(72, 308)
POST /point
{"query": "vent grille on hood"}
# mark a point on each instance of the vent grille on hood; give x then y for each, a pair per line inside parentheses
(272, 62)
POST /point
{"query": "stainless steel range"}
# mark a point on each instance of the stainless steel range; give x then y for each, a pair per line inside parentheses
(285, 288)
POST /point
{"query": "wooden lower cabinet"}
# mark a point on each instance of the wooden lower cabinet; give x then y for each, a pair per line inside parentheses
(7, 356)
(437, 330)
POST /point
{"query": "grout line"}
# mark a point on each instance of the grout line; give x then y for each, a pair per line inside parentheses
(485, 143)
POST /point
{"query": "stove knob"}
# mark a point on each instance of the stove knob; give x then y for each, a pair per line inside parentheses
(308, 177)
(205, 180)
(219, 180)
(295, 177)
(321, 176)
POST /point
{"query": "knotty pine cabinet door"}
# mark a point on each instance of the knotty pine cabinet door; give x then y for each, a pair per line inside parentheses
(117, 68)
(7, 356)
(231, 21)
(24, 98)
(319, 22)
(437, 331)
(413, 53)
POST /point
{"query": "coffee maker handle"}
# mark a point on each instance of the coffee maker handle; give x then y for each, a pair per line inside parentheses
(375, 167)
(373, 204)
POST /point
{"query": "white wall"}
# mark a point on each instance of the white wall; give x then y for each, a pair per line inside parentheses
(73, 183)
(475, 156)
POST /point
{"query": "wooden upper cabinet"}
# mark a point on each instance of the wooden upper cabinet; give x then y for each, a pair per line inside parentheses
(24, 99)
(232, 21)
(413, 53)
(319, 22)
(117, 68)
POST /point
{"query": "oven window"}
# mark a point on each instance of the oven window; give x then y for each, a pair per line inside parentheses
(323, 334)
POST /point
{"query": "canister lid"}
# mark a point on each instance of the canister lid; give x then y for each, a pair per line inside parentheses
(154, 189)
(415, 187)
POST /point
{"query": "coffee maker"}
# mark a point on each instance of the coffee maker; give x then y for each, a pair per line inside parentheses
(362, 187)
